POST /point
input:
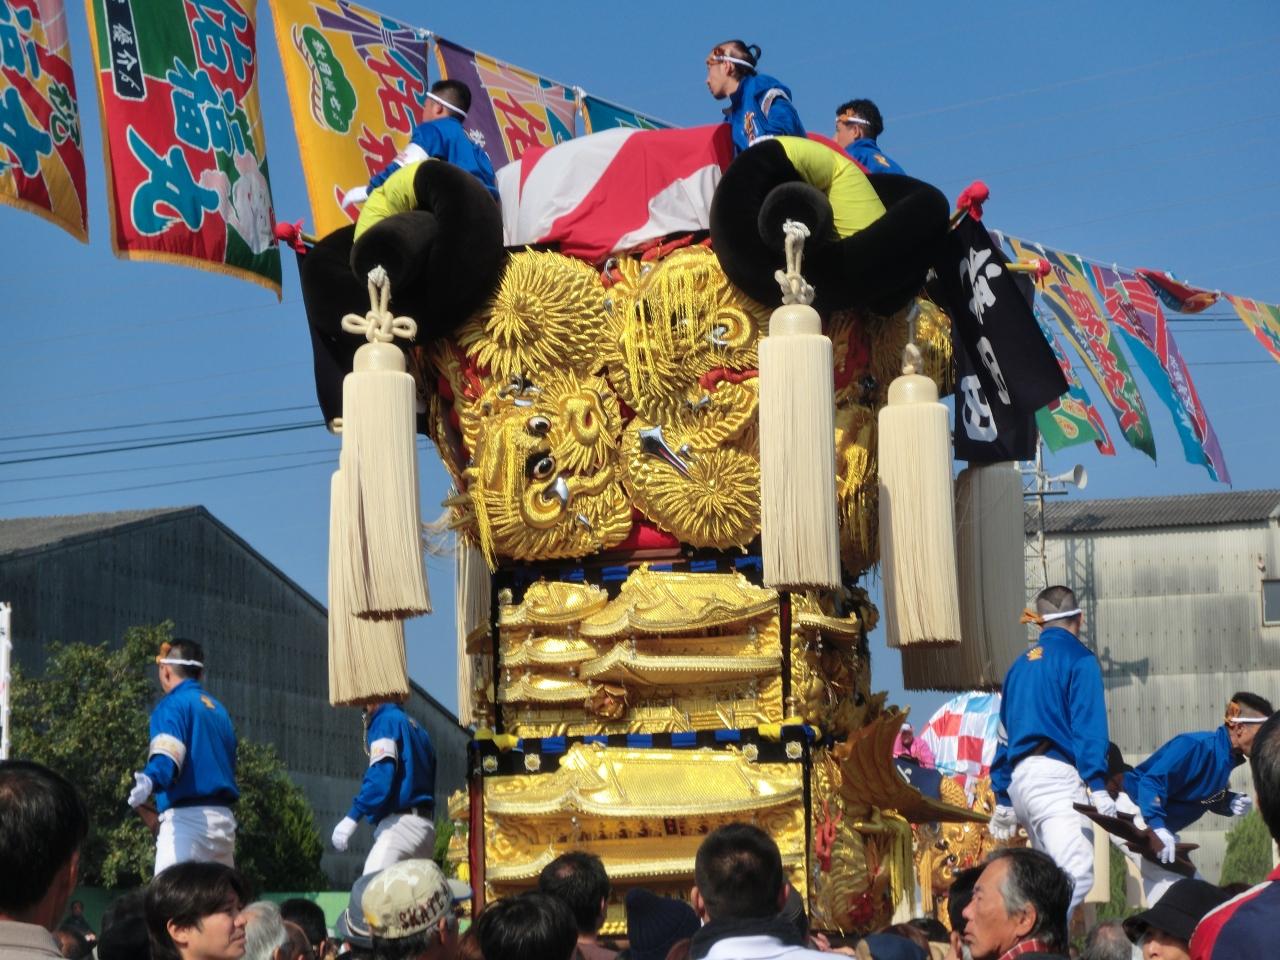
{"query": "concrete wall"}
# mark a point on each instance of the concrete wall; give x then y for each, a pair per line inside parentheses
(265, 640)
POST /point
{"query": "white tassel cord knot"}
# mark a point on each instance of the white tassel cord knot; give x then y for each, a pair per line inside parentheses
(794, 287)
(380, 325)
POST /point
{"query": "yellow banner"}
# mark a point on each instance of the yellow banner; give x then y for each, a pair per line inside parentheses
(357, 82)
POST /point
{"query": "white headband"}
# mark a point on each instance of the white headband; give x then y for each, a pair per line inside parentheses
(854, 118)
(180, 663)
(1060, 615)
(725, 58)
(447, 105)
(1247, 719)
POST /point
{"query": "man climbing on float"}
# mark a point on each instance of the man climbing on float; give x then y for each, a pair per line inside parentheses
(1188, 777)
(759, 106)
(858, 126)
(191, 764)
(1053, 746)
(398, 793)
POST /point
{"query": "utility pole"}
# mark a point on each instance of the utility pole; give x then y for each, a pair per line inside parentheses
(6, 655)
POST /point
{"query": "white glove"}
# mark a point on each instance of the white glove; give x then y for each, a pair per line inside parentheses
(142, 787)
(356, 195)
(1004, 823)
(1241, 803)
(342, 833)
(1102, 802)
(1169, 852)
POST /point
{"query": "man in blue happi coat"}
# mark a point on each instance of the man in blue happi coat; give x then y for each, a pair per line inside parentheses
(1053, 741)
(759, 106)
(858, 126)
(1188, 777)
(191, 764)
(398, 792)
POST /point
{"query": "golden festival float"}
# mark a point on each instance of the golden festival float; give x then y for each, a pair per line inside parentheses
(671, 475)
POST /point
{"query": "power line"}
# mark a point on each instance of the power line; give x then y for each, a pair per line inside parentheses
(157, 423)
(163, 436)
(169, 443)
(165, 466)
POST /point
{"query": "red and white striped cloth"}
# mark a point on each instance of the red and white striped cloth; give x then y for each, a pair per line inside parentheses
(613, 190)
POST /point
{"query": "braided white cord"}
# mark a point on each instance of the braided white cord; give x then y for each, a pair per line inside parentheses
(379, 324)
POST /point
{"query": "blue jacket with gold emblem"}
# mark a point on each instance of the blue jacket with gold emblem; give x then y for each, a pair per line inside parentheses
(1053, 705)
(871, 158)
(761, 107)
(1185, 778)
(192, 757)
(402, 766)
(444, 139)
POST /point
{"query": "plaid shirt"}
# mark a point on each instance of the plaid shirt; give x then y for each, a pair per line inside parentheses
(1026, 946)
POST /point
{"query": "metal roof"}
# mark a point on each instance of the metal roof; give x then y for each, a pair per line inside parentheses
(1144, 513)
(33, 533)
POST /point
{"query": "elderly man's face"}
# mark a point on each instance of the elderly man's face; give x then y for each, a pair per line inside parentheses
(990, 929)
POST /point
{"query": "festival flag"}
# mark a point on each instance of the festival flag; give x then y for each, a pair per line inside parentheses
(1072, 418)
(1004, 369)
(600, 115)
(1263, 319)
(1176, 295)
(357, 83)
(41, 156)
(1135, 311)
(182, 134)
(1069, 296)
(511, 108)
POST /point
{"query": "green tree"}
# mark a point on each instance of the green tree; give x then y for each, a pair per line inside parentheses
(1248, 856)
(86, 717)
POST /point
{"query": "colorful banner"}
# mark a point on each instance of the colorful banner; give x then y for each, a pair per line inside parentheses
(357, 82)
(1069, 296)
(1176, 295)
(41, 156)
(511, 109)
(1263, 319)
(1072, 418)
(182, 134)
(1135, 311)
(600, 115)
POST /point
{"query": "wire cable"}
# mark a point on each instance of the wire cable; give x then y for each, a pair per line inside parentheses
(79, 475)
(157, 423)
(168, 443)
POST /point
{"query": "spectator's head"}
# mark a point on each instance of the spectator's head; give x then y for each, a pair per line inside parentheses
(856, 119)
(124, 929)
(194, 912)
(891, 944)
(959, 895)
(352, 928)
(1116, 769)
(72, 944)
(296, 945)
(1164, 931)
(43, 822)
(411, 910)
(578, 878)
(1264, 759)
(656, 924)
(737, 875)
(1245, 714)
(264, 932)
(76, 908)
(448, 98)
(1021, 895)
(308, 915)
(469, 945)
(1057, 607)
(179, 660)
(1107, 941)
(532, 926)
(728, 64)
(933, 930)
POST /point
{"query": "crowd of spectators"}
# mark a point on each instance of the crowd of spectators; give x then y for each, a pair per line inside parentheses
(741, 906)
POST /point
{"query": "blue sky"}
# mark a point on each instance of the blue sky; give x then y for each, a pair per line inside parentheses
(1140, 133)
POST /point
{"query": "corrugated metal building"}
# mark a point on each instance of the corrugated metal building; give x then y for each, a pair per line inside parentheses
(1181, 597)
(90, 577)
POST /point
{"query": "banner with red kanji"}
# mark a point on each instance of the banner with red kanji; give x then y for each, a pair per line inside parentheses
(41, 156)
(182, 135)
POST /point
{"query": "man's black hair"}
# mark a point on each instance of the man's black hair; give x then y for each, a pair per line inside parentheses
(579, 880)
(1107, 941)
(410, 947)
(1035, 880)
(959, 895)
(454, 91)
(1254, 702)
(738, 871)
(181, 648)
(1264, 760)
(1056, 599)
(309, 915)
(72, 943)
(743, 51)
(868, 111)
(43, 822)
(532, 926)
(933, 929)
(124, 929)
(185, 894)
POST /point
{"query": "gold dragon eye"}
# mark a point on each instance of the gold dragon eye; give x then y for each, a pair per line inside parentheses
(538, 426)
(544, 468)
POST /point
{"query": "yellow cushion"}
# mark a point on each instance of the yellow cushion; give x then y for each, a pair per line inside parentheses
(396, 195)
(854, 202)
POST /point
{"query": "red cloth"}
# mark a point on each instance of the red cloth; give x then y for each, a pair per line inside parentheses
(1027, 946)
(1244, 926)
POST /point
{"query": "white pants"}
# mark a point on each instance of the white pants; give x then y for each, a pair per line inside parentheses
(1156, 880)
(196, 833)
(1043, 791)
(401, 836)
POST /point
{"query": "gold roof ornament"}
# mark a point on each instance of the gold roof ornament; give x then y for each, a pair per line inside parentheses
(553, 603)
(553, 651)
(623, 662)
(653, 601)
